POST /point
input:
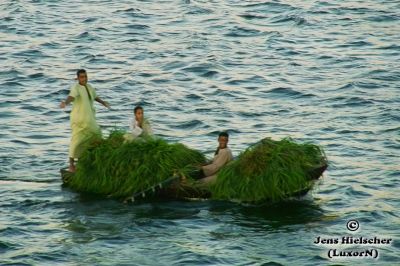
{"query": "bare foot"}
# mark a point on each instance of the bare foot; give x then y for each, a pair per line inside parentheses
(72, 168)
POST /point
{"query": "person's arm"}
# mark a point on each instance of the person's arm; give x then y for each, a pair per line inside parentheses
(104, 103)
(136, 130)
(73, 94)
(69, 99)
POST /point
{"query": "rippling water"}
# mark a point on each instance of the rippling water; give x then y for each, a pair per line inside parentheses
(321, 71)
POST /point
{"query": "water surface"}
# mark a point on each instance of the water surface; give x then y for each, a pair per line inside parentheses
(327, 72)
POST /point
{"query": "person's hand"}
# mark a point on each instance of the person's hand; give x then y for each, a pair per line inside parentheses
(62, 105)
(140, 123)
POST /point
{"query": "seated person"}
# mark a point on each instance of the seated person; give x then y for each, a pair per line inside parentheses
(222, 156)
(140, 126)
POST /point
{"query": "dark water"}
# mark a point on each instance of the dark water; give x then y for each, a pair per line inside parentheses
(321, 71)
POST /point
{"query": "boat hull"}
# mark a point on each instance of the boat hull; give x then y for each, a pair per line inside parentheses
(177, 189)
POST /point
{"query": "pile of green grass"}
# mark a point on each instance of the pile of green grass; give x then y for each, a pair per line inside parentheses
(117, 169)
(269, 170)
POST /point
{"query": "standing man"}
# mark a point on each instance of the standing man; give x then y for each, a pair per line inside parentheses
(83, 119)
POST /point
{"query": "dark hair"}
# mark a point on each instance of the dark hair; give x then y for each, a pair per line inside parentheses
(223, 134)
(80, 71)
(137, 108)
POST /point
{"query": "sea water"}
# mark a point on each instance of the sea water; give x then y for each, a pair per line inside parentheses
(326, 72)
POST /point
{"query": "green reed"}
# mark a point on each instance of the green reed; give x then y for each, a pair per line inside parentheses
(269, 170)
(117, 169)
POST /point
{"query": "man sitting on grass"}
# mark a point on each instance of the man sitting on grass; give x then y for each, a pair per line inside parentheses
(222, 156)
(140, 126)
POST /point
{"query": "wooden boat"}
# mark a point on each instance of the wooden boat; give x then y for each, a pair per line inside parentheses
(176, 188)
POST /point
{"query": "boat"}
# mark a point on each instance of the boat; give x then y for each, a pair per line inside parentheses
(181, 186)
(175, 188)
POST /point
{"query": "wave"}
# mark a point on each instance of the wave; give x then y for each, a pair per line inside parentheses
(284, 91)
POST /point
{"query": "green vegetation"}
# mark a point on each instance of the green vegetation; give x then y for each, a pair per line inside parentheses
(269, 170)
(117, 169)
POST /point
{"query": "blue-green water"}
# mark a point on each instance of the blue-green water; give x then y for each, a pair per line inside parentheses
(321, 71)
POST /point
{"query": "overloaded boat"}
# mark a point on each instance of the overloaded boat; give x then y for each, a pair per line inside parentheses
(267, 171)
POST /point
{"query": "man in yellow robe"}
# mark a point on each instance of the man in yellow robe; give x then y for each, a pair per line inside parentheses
(83, 119)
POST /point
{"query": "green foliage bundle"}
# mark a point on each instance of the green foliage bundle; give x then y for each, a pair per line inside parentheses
(119, 169)
(269, 170)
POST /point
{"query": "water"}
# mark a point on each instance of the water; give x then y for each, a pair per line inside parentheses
(321, 71)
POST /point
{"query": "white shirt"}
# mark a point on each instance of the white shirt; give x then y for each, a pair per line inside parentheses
(137, 130)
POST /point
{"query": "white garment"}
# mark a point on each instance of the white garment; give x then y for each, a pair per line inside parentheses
(137, 131)
(220, 159)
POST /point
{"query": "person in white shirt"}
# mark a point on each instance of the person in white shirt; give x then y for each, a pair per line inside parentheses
(140, 127)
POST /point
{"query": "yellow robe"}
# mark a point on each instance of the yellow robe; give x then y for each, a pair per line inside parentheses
(83, 119)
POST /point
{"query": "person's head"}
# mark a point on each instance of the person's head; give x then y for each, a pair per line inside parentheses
(223, 139)
(138, 111)
(82, 76)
